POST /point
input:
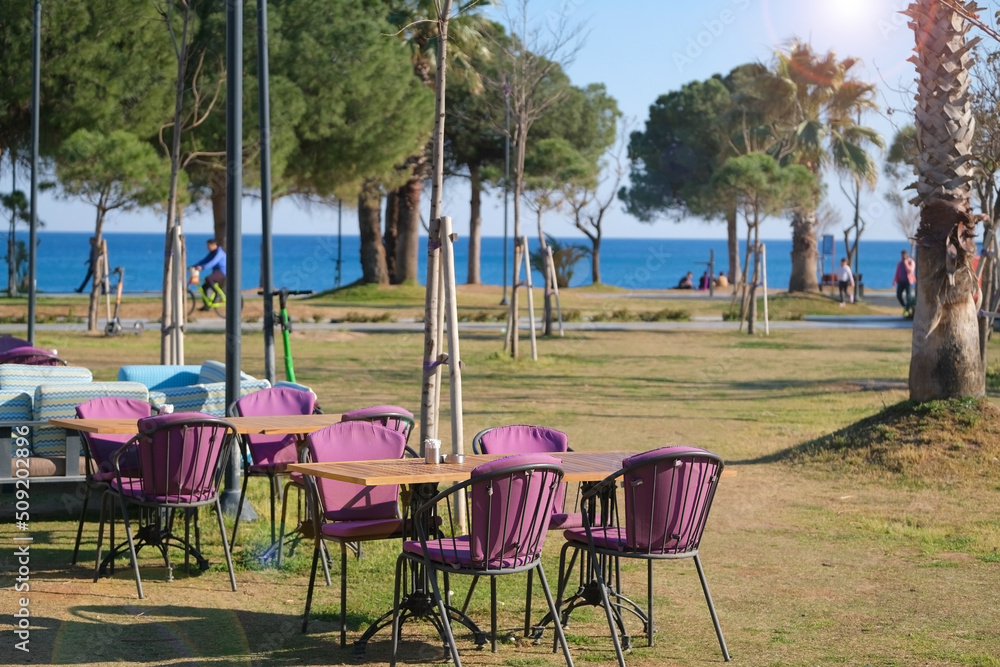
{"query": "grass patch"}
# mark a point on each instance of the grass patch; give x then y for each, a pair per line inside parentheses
(940, 441)
(361, 318)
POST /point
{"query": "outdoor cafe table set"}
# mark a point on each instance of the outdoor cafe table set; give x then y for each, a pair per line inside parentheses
(423, 478)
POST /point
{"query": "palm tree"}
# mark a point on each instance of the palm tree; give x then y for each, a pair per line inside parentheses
(945, 361)
(417, 21)
(821, 104)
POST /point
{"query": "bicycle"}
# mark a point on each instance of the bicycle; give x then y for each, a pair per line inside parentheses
(198, 297)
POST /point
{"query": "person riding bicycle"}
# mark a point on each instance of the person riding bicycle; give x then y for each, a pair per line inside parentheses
(215, 264)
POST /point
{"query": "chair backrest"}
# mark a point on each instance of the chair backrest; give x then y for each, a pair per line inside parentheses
(10, 342)
(101, 447)
(356, 441)
(31, 356)
(182, 457)
(390, 416)
(668, 494)
(524, 439)
(271, 402)
(510, 500)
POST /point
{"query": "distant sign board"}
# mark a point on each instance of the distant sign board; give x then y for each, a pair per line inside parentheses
(828, 244)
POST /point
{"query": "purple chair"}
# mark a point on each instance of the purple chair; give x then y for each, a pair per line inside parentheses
(98, 449)
(390, 416)
(510, 500)
(32, 356)
(270, 454)
(524, 439)
(179, 461)
(10, 342)
(350, 512)
(668, 495)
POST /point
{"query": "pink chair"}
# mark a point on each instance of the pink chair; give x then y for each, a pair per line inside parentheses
(509, 502)
(31, 356)
(524, 439)
(347, 512)
(98, 449)
(270, 454)
(180, 460)
(668, 495)
(390, 416)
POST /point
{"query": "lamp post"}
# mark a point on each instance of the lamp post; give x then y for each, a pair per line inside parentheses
(36, 90)
(266, 245)
(506, 183)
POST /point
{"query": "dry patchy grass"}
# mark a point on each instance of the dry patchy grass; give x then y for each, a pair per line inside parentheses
(832, 556)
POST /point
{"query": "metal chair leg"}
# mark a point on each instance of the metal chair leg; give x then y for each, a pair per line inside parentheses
(79, 527)
(445, 621)
(312, 583)
(711, 608)
(554, 610)
(225, 544)
(131, 547)
(343, 594)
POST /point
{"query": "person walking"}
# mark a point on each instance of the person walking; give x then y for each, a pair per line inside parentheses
(904, 280)
(215, 264)
(845, 282)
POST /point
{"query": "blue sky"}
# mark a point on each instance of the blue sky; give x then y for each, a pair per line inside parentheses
(640, 49)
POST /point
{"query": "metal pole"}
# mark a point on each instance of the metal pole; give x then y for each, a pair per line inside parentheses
(234, 234)
(506, 185)
(266, 247)
(36, 94)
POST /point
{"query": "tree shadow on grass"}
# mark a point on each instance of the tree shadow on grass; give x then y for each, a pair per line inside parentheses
(132, 634)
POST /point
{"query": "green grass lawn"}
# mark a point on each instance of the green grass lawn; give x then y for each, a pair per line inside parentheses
(810, 562)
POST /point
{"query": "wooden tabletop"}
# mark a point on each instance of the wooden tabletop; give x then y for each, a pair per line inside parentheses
(277, 425)
(578, 467)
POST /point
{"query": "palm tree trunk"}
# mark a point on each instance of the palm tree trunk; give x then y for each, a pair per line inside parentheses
(804, 253)
(945, 361)
(475, 226)
(373, 267)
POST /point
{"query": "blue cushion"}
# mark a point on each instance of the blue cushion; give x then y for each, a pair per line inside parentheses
(215, 371)
(22, 377)
(209, 398)
(60, 401)
(15, 406)
(155, 376)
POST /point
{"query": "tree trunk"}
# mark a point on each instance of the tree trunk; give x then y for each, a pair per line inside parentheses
(391, 234)
(219, 208)
(475, 226)
(408, 225)
(100, 268)
(373, 267)
(945, 361)
(804, 253)
(733, 242)
(546, 281)
(595, 259)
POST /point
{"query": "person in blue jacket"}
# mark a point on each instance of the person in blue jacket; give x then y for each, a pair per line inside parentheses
(214, 263)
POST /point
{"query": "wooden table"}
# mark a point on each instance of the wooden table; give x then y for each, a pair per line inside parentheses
(578, 466)
(277, 425)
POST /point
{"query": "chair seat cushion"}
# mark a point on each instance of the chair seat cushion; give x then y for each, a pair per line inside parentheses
(604, 538)
(568, 520)
(455, 551)
(131, 488)
(375, 529)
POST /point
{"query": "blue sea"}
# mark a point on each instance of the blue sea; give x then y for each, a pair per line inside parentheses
(309, 262)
